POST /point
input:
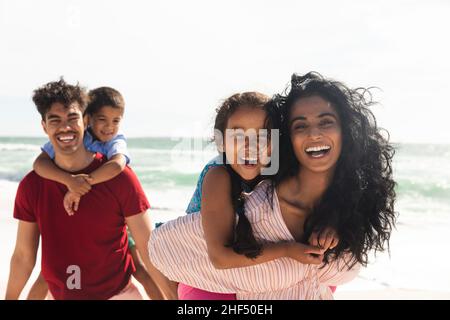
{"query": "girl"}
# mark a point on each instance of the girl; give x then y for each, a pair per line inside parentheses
(335, 171)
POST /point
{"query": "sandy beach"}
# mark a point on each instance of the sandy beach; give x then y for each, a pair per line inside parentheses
(392, 294)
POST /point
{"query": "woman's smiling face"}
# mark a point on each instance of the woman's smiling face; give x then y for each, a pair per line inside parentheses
(315, 130)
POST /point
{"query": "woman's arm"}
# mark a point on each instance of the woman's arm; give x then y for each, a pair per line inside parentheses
(218, 220)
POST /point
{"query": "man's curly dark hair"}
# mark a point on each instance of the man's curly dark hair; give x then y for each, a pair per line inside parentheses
(59, 91)
(359, 202)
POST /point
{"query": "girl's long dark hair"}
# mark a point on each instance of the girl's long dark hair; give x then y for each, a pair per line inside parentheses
(243, 241)
(359, 202)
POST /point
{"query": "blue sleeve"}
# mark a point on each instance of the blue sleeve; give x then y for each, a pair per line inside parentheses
(48, 149)
(118, 145)
(196, 201)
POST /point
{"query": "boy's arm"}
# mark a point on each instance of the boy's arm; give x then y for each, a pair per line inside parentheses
(139, 226)
(109, 170)
(23, 258)
(46, 168)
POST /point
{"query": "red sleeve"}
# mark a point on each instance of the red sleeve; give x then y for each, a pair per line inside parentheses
(130, 193)
(25, 198)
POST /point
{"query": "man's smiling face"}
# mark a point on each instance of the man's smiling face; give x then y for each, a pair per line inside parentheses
(64, 127)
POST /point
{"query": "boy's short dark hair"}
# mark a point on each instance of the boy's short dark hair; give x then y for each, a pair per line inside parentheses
(104, 96)
(59, 92)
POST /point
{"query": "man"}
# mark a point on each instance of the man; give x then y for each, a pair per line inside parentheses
(84, 256)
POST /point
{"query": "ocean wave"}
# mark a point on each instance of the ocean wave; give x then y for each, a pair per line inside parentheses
(162, 208)
(19, 147)
(12, 176)
(174, 151)
(437, 190)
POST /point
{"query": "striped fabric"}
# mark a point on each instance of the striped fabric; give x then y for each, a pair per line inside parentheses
(178, 250)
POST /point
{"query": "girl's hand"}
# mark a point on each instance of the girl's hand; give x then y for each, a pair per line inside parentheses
(327, 239)
(79, 184)
(304, 253)
(71, 202)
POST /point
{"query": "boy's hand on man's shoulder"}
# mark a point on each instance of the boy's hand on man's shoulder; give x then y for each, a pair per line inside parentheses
(79, 184)
(71, 202)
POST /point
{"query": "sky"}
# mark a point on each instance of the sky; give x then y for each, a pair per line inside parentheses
(175, 61)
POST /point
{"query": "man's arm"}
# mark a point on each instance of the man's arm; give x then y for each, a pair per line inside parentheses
(140, 228)
(23, 258)
(39, 289)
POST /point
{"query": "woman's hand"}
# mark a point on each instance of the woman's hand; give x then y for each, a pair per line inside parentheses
(326, 239)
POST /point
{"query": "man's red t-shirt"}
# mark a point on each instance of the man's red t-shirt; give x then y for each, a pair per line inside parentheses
(93, 242)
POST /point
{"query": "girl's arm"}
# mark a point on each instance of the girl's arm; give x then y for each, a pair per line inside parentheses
(337, 272)
(46, 168)
(109, 170)
(325, 239)
(218, 220)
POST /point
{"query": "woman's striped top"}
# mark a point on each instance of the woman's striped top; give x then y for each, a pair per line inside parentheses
(178, 250)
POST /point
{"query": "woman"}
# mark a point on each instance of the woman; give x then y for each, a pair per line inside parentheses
(335, 171)
(218, 196)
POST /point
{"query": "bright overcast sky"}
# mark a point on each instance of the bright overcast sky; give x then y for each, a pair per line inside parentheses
(175, 60)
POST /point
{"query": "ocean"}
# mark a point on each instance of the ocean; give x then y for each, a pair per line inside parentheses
(168, 169)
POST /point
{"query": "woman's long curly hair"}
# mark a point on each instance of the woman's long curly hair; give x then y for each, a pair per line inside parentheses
(359, 202)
